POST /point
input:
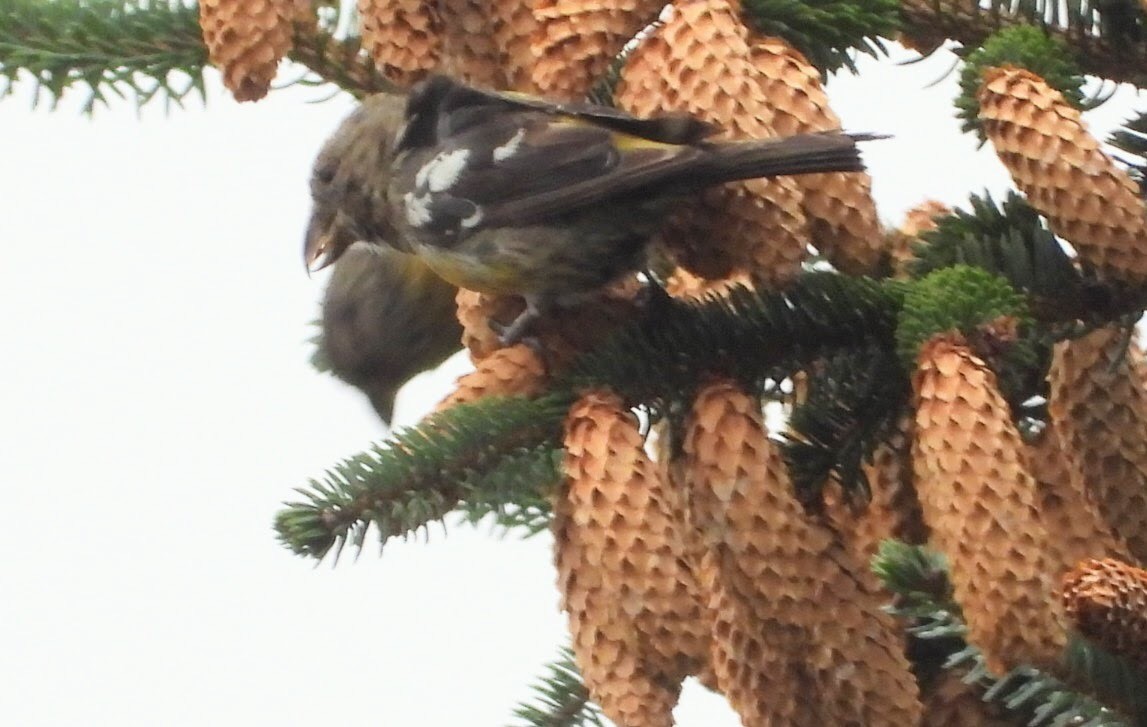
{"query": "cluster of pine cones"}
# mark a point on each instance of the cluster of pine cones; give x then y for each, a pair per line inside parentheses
(693, 557)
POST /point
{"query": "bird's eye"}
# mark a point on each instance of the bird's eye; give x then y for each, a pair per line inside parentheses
(322, 182)
(324, 176)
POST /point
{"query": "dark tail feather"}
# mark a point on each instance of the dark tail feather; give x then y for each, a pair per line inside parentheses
(830, 151)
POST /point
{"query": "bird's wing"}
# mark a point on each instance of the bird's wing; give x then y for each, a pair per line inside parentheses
(511, 166)
(441, 107)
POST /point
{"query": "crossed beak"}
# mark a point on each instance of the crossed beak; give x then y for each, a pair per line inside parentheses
(319, 248)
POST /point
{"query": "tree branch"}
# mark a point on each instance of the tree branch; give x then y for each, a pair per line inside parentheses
(340, 62)
(928, 22)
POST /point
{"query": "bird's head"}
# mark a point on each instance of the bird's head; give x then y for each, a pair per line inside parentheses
(349, 181)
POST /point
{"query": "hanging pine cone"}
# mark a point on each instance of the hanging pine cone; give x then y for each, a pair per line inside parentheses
(476, 311)
(404, 37)
(791, 610)
(470, 49)
(635, 614)
(246, 39)
(698, 62)
(901, 243)
(685, 285)
(839, 206)
(1107, 602)
(514, 29)
(562, 334)
(1099, 408)
(1062, 500)
(514, 371)
(979, 500)
(1060, 167)
(575, 42)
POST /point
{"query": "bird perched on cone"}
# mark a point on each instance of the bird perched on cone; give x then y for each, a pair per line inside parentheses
(385, 317)
(509, 194)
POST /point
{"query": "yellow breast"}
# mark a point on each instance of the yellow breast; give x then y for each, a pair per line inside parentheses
(468, 272)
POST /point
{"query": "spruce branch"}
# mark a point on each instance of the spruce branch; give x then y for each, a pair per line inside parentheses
(1011, 240)
(561, 699)
(1108, 54)
(497, 456)
(918, 579)
(143, 48)
(854, 400)
(1112, 677)
(959, 298)
(340, 62)
(516, 492)
(660, 359)
(1131, 139)
(828, 32)
(420, 475)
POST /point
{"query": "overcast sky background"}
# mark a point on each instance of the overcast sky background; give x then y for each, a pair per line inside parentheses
(158, 406)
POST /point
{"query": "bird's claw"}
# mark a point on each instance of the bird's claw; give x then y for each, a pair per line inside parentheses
(517, 331)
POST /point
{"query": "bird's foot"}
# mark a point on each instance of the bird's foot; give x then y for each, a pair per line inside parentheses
(518, 331)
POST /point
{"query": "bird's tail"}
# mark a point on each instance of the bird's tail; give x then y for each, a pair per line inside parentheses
(830, 151)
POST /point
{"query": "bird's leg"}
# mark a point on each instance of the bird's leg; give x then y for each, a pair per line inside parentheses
(516, 330)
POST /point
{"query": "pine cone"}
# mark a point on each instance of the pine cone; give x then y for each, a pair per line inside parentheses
(792, 612)
(1065, 175)
(901, 243)
(1098, 407)
(475, 312)
(1107, 602)
(575, 42)
(562, 333)
(514, 31)
(685, 285)
(513, 371)
(1063, 504)
(246, 39)
(698, 62)
(839, 206)
(470, 49)
(404, 37)
(979, 499)
(635, 614)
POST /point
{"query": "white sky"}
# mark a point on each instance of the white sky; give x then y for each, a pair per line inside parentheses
(158, 407)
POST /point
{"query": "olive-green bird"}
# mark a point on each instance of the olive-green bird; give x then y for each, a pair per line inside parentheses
(385, 317)
(510, 194)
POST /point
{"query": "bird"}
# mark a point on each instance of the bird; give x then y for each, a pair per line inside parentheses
(510, 194)
(385, 318)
